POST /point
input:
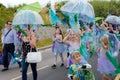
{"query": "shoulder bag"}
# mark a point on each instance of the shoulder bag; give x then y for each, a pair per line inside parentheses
(33, 57)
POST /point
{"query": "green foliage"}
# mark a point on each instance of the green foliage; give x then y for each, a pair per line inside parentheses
(75, 17)
(103, 8)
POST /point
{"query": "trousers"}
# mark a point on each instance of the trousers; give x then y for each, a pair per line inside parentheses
(8, 48)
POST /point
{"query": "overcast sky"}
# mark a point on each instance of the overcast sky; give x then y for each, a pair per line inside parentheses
(17, 2)
(12, 3)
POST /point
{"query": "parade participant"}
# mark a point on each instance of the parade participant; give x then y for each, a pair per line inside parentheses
(105, 67)
(78, 70)
(58, 47)
(73, 40)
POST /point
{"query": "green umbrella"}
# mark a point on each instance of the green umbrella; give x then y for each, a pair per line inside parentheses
(98, 18)
(34, 7)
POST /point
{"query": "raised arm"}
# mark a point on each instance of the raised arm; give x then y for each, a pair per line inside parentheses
(33, 41)
(79, 31)
(65, 40)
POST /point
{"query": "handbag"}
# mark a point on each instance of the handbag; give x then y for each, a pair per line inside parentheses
(33, 57)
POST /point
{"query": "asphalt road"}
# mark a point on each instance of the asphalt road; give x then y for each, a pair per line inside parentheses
(45, 72)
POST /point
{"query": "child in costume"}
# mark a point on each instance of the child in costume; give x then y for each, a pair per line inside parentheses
(105, 67)
(78, 70)
(73, 41)
(58, 47)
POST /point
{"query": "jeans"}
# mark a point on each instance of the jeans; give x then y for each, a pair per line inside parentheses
(25, 68)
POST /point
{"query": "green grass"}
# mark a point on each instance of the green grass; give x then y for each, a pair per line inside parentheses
(43, 43)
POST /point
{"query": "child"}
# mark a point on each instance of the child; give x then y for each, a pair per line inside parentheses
(73, 42)
(104, 65)
(78, 71)
(58, 47)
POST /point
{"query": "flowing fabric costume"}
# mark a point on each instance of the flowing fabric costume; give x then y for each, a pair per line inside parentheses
(72, 48)
(104, 64)
(83, 74)
(58, 47)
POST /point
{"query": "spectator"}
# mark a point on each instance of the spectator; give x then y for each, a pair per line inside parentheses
(29, 44)
(9, 44)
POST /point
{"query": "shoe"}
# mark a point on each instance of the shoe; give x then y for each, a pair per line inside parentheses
(54, 66)
(21, 70)
(62, 65)
(5, 69)
(67, 67)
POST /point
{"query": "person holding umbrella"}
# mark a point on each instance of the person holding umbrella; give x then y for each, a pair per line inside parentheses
(29, 44)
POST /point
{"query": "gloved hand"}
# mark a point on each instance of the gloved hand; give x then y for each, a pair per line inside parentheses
(87, 66)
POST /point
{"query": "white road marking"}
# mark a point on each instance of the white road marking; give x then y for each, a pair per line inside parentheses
(30, 72)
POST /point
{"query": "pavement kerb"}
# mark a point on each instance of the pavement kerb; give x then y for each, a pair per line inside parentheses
(43, 48)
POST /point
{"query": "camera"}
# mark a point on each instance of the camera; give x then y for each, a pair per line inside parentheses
(84, 67)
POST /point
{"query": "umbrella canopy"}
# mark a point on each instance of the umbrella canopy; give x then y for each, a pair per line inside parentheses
(27, 17)
(34, 7)
(78, 7)
(84, 10)
(113, 19)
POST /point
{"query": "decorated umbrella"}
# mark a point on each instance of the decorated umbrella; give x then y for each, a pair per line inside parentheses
(113, 19)
(34, 7)
(98, 18)
(27, 17)
(83, 9)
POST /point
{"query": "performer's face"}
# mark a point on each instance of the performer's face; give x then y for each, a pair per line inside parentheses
(57, 31)
(9, 24)
(77, 58)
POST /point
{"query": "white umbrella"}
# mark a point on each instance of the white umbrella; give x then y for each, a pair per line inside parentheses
(113, 19)
(27, 17)
(78, 7)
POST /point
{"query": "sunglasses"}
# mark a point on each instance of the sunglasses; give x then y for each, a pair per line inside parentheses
(9, 24)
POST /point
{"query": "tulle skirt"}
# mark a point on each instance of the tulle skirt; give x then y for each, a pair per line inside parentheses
(58, 47)
(105, 66)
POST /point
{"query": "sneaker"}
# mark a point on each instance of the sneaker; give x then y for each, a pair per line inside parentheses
(20, 70)
(54, 66)
(5, 69)
(67, 67)
(62, 65)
